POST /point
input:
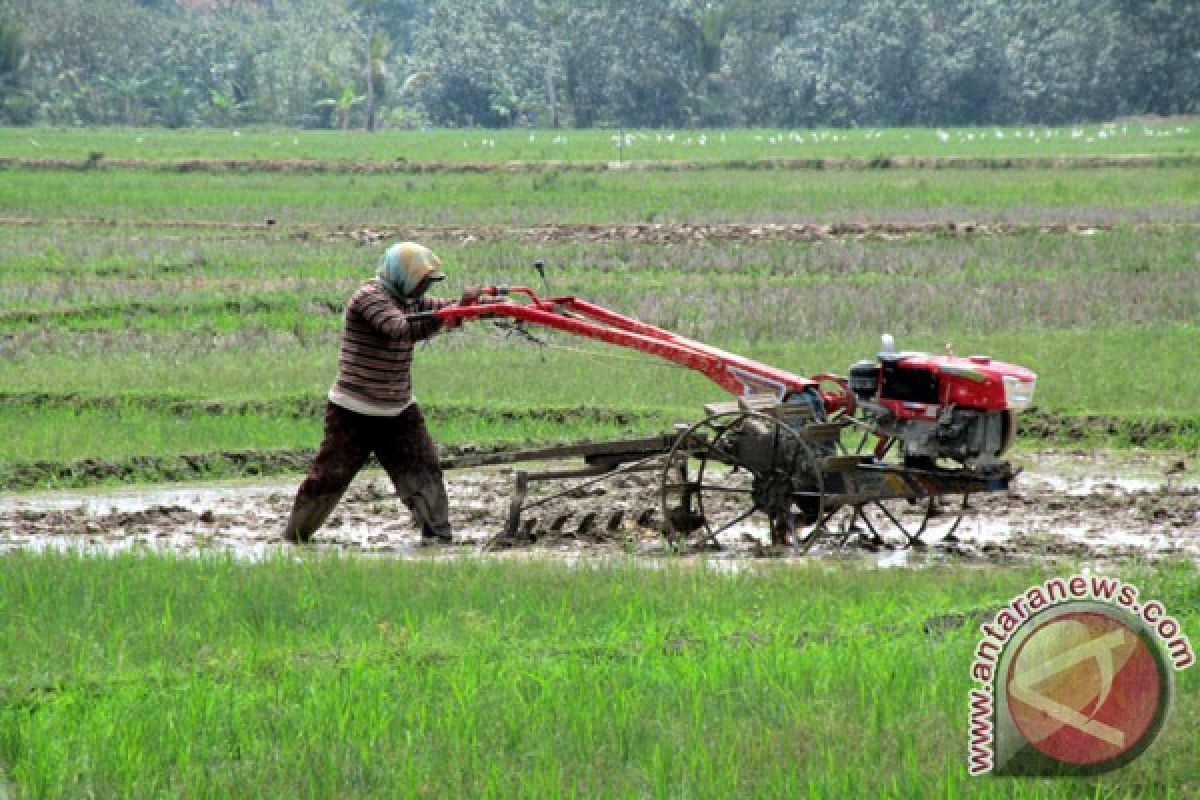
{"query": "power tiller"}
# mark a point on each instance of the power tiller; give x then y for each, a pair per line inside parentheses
(893, 451)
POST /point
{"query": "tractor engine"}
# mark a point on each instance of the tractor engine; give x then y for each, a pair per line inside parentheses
(942, 407)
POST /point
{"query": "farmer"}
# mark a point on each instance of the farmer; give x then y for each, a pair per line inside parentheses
(371, 408)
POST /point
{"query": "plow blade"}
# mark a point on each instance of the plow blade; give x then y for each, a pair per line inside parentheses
(866, 482)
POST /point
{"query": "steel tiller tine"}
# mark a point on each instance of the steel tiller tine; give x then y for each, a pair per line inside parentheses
(819, 527)
(785, 522)
(854, 518)
(517, 503)
(871, 525)
(912, 539)
(714, 534)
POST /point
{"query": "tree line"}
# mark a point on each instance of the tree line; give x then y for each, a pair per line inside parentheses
(585, 63)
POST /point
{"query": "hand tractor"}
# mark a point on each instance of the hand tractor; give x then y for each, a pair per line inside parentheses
(894, 449)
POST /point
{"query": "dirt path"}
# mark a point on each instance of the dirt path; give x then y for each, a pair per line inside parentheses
(1068, 505)
(662, 233)
(405, 166)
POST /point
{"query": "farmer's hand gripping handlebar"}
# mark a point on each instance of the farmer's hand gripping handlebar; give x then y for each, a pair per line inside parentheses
(734, 373)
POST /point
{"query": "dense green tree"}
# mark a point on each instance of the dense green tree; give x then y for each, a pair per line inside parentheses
(367, 63)
(15, 103)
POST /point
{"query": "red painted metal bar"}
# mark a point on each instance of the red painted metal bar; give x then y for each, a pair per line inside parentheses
(734, 373)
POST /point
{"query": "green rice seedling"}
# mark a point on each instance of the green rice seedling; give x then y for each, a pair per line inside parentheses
(705, 196)
(144, 676)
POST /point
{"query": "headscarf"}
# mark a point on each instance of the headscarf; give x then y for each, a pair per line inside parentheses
(405, 265)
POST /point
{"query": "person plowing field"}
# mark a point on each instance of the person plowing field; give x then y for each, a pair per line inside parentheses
(371, 409)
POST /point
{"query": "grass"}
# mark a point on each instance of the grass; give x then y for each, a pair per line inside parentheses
(707, 196)
(1080, 371)
(218, 319)
(97, 280)
(60, 434)
(1167, 137)
(149, 676)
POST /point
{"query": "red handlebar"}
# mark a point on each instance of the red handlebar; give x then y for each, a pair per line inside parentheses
(734, 373)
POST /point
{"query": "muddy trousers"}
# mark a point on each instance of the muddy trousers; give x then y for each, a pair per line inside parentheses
(405, 450)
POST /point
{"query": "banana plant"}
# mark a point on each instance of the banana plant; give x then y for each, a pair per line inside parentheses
(343, 105)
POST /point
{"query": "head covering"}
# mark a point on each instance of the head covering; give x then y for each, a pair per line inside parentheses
(405, 265)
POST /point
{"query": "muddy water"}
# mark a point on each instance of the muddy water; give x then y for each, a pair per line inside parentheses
(1072, 504)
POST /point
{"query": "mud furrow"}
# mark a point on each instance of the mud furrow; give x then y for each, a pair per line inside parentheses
(1041, 518)
(649, 233)
(405, 166)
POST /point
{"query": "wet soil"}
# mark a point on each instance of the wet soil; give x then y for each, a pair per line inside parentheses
(405, 166)
(661, 233)
(1070, 505)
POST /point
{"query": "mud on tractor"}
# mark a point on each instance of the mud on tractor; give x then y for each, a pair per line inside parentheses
(891, 452)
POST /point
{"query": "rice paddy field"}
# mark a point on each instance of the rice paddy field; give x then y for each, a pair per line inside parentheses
(170, 307)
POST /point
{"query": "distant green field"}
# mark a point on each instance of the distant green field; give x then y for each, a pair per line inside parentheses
(149, 676)
(1099, 195)
(1159, 137)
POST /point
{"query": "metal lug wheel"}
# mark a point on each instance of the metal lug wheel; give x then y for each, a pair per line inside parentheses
(739, 474)
(906, 522)
(896, 522)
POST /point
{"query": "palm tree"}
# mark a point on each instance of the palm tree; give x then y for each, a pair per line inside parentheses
(13, 54)
(375, 75)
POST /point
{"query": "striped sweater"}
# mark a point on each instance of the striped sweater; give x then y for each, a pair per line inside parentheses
(375, 359)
